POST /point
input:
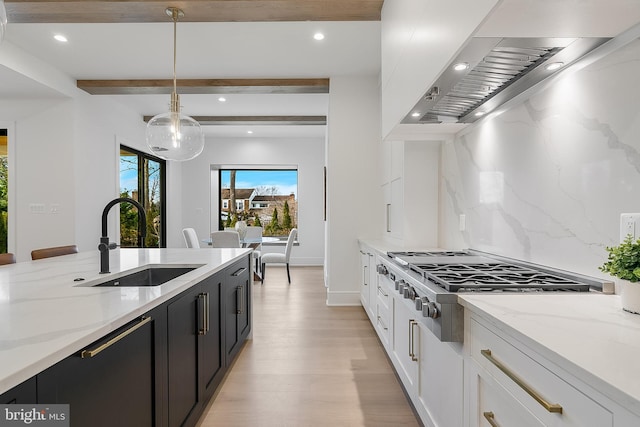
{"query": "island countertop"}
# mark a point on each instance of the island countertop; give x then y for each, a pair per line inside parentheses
(46, 315)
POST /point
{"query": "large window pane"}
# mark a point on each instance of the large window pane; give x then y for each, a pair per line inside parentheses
(142, 178)
(266, 198)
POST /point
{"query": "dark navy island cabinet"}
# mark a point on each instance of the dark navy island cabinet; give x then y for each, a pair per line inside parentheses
(162, 368)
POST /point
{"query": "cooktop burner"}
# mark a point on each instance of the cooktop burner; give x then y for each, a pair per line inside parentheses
(494, 277)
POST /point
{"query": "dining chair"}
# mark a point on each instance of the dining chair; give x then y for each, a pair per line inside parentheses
(7, 258)
(278, 258)
(53, 251)
(225, 239)
(254, 232)
(190, 238)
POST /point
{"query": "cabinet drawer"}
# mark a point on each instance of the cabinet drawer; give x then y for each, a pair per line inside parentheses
(383, 322)
(496, 407)
(542, 392)
(383, 291)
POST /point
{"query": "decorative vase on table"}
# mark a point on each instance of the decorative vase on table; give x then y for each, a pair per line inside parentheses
(241, 228)
(629, 295)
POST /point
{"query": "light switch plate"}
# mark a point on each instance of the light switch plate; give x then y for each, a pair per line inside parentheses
(629, 224)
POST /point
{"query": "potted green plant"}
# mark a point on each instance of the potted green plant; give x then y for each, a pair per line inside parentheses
(623, 263)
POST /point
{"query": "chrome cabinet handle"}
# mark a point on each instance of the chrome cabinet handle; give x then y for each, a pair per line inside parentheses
(412, 353)
(202, 318)
(94, 352)
(364, 278)
(388, 217)
(551, 407)
(382, 291)
(239, 299)
(207, 313)
(490, 419)
(382, 323)
(239, 271)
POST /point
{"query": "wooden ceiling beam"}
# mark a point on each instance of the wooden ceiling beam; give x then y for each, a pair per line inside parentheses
(127, 11)
(204, 86)
(258, 120)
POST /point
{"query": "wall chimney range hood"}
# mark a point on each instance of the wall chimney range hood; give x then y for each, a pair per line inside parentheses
(490, 71)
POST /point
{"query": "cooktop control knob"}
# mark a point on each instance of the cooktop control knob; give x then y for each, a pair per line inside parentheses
(409, 292)
(430, 310)
(382, 269)
(400, 285)
(420, 302)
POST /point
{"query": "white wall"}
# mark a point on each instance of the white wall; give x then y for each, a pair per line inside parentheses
(306, 153)
(547, 180)
(353, 184)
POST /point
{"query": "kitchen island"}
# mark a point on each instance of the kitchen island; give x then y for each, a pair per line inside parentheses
(49, 309)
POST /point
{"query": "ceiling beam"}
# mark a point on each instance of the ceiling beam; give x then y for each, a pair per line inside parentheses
(110, 11)
(258, 120)
(204, 86)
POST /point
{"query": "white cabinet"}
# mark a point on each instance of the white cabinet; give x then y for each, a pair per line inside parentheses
(405, 341)
(368, 280)
(411, 195)
(430, 370)
(510, 386)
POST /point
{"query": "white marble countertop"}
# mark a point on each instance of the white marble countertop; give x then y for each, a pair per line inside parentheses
(587, 335)
(45, 316)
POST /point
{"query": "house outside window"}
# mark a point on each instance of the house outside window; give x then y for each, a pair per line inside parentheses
(263, 197)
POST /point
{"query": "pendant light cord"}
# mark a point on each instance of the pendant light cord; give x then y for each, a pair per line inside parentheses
(175, 99)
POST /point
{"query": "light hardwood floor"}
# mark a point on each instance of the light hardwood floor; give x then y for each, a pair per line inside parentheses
(308, 364)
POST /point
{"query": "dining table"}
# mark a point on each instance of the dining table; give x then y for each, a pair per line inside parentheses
(250, 242)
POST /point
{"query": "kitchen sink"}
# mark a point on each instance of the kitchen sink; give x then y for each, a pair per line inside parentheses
(149, 276)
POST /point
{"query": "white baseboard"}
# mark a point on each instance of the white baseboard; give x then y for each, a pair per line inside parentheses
(345, 298)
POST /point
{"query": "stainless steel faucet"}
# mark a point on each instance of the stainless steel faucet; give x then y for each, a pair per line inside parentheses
(104, 245)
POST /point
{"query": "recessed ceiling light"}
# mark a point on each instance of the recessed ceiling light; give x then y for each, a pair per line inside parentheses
(249, 131)
(416, 114)
(222, 99)
(553, 66)
(318, 36)
(461, 66)
(60, 38)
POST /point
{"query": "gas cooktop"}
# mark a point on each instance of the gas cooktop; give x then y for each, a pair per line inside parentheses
(474, 271)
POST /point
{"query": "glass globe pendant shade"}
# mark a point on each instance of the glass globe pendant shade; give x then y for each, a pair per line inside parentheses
(3, 20)
(174, 136)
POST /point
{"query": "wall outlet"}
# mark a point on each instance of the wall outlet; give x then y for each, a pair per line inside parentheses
(462, 222)
(629, 224)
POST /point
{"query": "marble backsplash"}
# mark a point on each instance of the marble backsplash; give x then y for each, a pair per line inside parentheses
(547, 180)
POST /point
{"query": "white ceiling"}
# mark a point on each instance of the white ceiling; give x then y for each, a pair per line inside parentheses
(205, 50)
(267, 50)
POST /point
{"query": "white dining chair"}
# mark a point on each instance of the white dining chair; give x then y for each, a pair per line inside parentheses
(278, 258)
(225, 239)
(190, 238)
(255, 233)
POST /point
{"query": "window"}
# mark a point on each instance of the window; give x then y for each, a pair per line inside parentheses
(270, 196)
(142, 178)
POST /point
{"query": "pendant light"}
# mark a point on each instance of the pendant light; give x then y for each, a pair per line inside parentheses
(3, 20)
(173, 135)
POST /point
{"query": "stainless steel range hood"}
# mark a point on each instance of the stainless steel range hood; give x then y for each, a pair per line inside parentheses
(492, 71)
